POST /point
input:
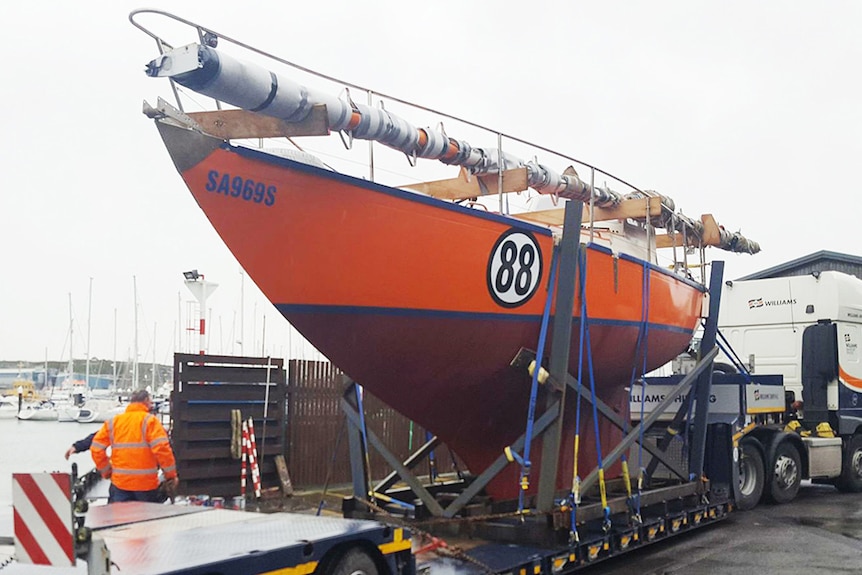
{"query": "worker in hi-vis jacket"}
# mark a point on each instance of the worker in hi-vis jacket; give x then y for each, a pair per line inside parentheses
(139, 448)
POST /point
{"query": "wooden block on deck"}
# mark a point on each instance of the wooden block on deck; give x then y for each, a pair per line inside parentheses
(711, 235)
(237, 124)
(469, 186)
(635, 209)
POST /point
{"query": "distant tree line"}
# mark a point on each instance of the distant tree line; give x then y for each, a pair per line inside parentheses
(100, 369)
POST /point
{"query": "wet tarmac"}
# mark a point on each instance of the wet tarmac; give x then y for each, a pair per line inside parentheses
(820, 532)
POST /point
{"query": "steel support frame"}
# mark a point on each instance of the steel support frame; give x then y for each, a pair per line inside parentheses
(359, 457)
(549, 424)
(558, 361)
(359, 467)
(526, 356)
(703, 387)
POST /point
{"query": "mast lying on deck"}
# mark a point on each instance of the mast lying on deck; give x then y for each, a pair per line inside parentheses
(251, 87)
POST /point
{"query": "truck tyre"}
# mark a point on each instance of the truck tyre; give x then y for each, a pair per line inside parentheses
(751, 476)
(851, 466)
(353, 562)
(784, 474)
(721, 367)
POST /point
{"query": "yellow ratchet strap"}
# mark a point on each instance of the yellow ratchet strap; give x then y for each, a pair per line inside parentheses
(627, 478)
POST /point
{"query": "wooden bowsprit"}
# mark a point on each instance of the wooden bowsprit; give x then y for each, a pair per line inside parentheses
(42, 505)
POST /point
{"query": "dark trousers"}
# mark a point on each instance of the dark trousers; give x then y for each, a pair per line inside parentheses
(116, 495)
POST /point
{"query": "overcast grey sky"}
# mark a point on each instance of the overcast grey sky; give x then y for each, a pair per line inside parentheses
(749, 110)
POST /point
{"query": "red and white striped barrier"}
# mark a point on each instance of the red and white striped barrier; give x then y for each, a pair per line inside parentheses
(255, 470)
(244, 459)
(42, 506)
(249, 459)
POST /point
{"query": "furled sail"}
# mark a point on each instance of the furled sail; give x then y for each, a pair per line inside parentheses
(251, 87)
(205, 70)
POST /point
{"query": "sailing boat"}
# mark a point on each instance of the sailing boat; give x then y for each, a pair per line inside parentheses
(101, 409)
(39, 411)
(35, 407)
(72, 392)
(421, 293)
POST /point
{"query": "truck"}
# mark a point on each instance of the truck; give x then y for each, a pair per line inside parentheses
(793, 345)
(808, 329)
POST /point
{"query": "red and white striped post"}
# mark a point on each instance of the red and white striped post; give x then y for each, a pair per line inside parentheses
(42, 508)
(255, 469)
(203, 332)
(245, 450)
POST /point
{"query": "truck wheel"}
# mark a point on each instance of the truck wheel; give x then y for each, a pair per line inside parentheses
(721, 367)
(851, 466)
(785, 474)
(354, 562)
(751, 476)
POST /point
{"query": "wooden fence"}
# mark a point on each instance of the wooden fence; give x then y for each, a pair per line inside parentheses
(316, 429)
(304, 423)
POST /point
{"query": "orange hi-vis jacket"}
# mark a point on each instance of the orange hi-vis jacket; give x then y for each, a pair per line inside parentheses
(139, 446)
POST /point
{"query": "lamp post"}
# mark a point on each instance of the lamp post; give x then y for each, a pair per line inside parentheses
(201, 289)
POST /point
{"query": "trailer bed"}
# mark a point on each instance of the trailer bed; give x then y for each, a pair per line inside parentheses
(147, 538)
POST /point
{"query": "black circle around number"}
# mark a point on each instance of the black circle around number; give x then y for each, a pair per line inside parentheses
(514, 269)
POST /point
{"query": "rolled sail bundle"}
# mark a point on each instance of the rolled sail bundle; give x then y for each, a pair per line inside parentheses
(723, 239)
(253, 88)
(256, 89)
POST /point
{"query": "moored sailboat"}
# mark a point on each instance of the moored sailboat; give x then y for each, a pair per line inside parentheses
(96, 410)
(38, 411)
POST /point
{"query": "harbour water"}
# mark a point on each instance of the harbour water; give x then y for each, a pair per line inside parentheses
(36, 446)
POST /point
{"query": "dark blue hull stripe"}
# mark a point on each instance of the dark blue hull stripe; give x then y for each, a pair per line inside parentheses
(289, 309)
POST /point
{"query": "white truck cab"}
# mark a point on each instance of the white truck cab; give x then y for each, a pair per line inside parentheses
(764, 321)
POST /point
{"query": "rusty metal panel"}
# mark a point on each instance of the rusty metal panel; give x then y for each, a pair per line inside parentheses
(317, 452)
(318, 446)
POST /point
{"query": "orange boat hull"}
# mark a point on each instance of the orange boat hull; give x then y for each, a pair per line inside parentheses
(403, 293)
